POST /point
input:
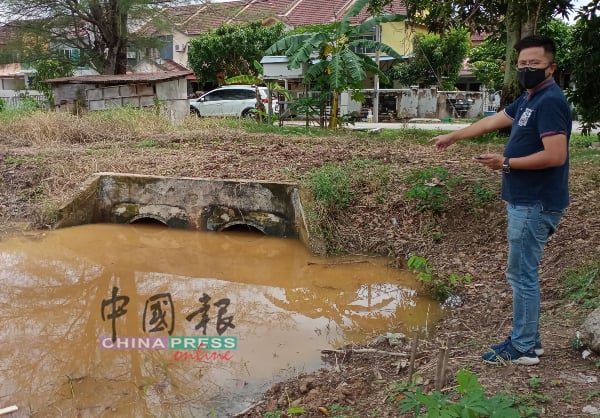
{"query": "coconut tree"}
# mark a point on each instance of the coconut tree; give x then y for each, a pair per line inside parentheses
(331, 49)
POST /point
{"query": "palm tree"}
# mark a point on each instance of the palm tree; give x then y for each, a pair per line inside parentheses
(331, 49)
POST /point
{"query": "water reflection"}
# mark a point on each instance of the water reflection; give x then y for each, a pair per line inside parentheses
(286, 306)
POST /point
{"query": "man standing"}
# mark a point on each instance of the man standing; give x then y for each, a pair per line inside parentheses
(535, 168)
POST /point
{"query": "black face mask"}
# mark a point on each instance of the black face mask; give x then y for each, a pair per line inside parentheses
(531, 77)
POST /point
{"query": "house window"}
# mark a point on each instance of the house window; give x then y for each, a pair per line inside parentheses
(363, 49)
(72, 53)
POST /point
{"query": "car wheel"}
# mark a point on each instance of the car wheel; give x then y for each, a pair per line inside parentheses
(194, 111)
(249, 113)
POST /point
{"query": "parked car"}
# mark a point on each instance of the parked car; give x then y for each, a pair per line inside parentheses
(234, 100)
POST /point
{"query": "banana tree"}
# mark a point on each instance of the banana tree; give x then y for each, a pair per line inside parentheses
(331, 49)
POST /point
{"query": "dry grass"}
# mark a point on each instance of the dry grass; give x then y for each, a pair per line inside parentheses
(44, 128)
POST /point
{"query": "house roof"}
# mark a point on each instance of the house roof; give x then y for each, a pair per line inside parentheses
(10, 70)
(263, 9)
(196, 19)
(211, 16)
(120, 78)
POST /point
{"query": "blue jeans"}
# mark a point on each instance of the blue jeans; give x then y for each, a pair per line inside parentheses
(529, 227)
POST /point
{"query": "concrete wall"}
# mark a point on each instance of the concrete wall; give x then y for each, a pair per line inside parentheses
(171, 94)
(430, 103)
(188, 203)
(12, 83)
(16, 97)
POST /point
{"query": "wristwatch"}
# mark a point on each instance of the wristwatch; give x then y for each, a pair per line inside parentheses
(506, 166)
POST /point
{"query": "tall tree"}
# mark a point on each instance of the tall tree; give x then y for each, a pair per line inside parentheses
(517, 18)
(487, 62)
(231, 50)
(437, 60)
(331, 49)
(99, 29)
(586, 54)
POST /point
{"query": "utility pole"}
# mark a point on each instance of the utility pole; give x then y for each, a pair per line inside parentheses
(376, 78)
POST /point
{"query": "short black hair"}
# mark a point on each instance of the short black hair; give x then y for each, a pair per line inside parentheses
(537, 40)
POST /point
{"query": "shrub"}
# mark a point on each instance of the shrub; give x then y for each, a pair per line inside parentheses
(430, 187)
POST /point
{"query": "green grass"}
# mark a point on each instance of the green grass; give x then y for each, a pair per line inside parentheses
(582, 284)
(10, 113)
(24, 160)
(330, 186)
(148, 143)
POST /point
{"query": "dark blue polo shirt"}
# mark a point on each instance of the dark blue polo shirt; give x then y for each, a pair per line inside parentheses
(544, 112)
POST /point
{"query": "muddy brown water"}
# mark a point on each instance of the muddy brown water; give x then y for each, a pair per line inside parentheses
(64, 290)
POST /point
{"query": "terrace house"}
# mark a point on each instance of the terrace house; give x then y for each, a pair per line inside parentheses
(188, 22)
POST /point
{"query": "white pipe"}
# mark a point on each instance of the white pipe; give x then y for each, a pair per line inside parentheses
(8, 409)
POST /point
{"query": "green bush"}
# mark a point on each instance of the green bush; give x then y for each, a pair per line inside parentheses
(473, 402)
(440, 288)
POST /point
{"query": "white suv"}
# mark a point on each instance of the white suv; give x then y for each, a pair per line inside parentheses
(234, 100)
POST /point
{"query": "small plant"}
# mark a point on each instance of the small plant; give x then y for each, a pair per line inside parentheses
(592, 395)
(536, 382)
(147, 143)
(430, 189)
(157, 105)
(437, 236)
(273, 414)
(341, 411)
(577, 342)
(290, 412)
(473, 401)
(567, 396)
(27, 103)
(482, 194)
(396, 389)
(531, 400)
(439, 287)
(15, 160)
(582, 285)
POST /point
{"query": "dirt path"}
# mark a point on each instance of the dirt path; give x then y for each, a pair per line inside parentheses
(467, 237)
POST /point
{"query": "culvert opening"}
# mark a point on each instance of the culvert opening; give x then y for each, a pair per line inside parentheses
(243, 228)
(148, 221)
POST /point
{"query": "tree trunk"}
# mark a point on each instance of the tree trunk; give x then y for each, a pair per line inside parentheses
(334, 110)
(518, 25)
(116, 39)
(510, 87)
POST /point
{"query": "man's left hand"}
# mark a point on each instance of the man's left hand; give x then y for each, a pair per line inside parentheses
(493, 161)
